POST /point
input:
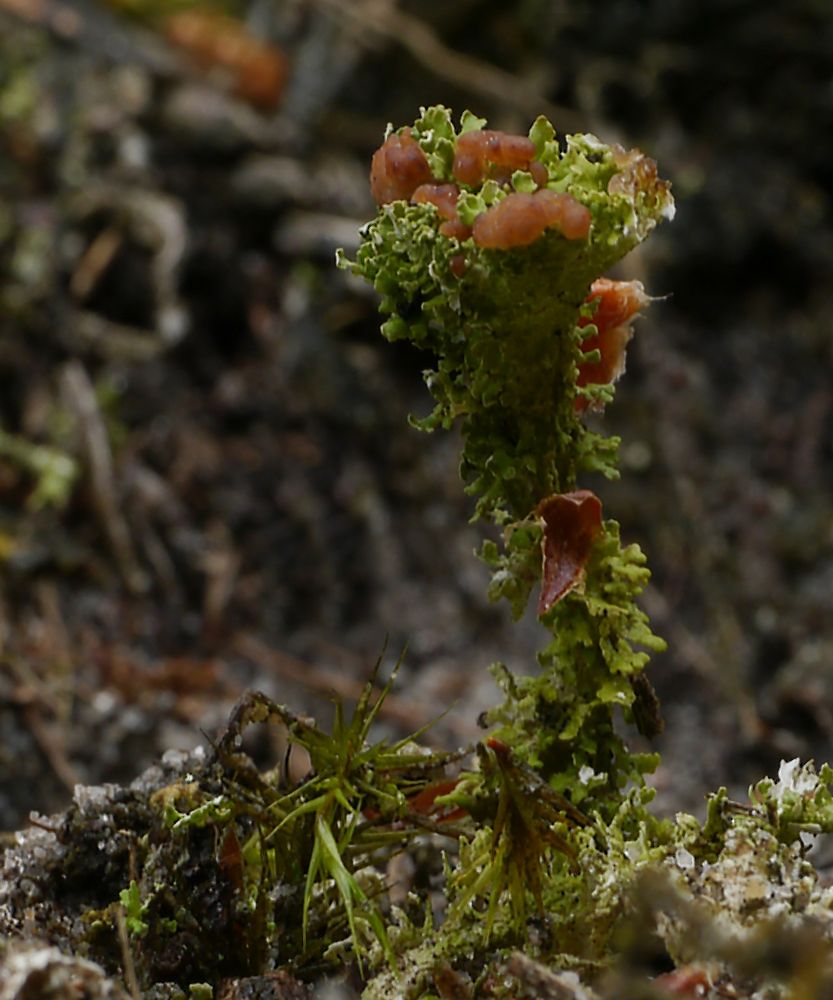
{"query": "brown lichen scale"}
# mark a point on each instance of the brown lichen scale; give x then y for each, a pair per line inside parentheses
(398, 168)
(520, 219)
(572, 523)
(477, 153)
(444, 198)
(617, 304)
(400, 171)
(636, 173)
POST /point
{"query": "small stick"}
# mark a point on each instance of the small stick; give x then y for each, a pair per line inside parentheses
(465, 71)
(94, 262)
(95, 447)
(127, 955)
(328, 681)
(50, 746)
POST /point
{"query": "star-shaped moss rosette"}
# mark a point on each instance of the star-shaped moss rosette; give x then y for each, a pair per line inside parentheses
(488, 251)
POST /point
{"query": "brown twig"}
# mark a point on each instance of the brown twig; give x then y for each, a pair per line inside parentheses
(59, 687)
(96, 259)
(33, 695)
(50, 747)
(382, 19)
(127, 955)
(409, 714)
(95, 448)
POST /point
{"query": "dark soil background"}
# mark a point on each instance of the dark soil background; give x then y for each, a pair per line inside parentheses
(207, 478)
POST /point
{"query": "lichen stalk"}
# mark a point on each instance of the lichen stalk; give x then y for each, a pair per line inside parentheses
(500, 292)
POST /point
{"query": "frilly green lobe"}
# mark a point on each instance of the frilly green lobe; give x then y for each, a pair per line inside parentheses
(504, 333)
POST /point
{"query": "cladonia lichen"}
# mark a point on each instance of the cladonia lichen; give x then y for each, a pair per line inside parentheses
(489, 252)
(553, 878)
(508, 328)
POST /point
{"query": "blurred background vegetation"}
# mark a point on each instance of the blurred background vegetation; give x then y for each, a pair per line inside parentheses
(207, 480)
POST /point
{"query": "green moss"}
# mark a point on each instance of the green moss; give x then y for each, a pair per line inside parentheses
(55, 472)
(134, 909)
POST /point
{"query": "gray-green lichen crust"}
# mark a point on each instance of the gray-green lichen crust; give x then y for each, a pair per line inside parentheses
(734, 900)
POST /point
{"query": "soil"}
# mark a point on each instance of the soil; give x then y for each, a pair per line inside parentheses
(207, 478)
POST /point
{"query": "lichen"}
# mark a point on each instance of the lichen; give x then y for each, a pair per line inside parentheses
(527, 336)
(508, 330)
(558, 880)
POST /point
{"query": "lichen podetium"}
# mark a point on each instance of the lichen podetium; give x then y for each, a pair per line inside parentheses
(488, 250)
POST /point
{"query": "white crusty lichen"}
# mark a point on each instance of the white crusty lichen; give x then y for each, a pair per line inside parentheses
(739, 897)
